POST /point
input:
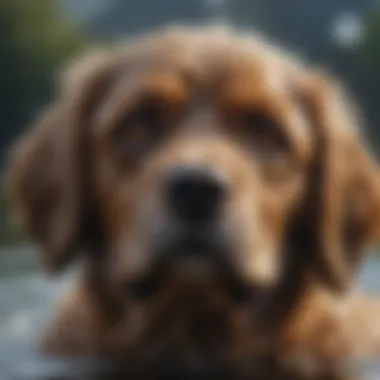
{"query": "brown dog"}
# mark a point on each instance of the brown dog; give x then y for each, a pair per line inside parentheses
(220, 195)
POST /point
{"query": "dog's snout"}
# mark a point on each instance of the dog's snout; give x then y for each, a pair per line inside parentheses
(195, 195)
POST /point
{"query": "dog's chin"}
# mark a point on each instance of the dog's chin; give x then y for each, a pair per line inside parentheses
(193, 269)
(194, 265)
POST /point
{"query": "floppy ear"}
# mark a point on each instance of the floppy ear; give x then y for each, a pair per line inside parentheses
(344, 195)
(47, 167)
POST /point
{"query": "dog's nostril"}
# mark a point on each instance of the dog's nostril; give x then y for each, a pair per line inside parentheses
(195, 195)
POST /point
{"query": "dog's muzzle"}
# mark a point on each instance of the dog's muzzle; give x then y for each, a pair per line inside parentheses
(196, 248)
(195, 196)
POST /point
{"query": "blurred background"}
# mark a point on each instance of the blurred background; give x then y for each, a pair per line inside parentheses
(37, 37)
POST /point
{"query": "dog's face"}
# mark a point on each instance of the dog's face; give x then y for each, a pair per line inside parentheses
(198, 176)
(196, 156)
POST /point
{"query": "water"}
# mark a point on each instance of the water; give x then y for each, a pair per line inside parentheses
(27, 300)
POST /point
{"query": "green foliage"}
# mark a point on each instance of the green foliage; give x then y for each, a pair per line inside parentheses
(35, 40)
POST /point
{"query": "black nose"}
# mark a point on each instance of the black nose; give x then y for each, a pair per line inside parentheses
(195, 195)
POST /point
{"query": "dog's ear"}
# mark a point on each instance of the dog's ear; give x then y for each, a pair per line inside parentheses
(343, 200)
(46, 174)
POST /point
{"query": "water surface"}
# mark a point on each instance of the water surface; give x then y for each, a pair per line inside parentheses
(27, 299)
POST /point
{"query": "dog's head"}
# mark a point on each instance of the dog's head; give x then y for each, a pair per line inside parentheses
(194, 154)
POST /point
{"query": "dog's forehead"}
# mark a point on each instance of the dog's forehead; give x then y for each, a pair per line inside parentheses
(224, 69)
(210, 55)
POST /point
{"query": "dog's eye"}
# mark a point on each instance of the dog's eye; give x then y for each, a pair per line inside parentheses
(269, 145)
(147, 118)
(138, 131)
(260, 125)
(263, 133)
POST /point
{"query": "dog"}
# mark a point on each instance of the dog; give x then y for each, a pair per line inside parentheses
(220, 196)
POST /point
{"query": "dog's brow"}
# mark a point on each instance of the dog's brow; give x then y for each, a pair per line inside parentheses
(130, 89)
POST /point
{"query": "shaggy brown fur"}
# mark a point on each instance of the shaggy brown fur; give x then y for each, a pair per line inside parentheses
(301, 209)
